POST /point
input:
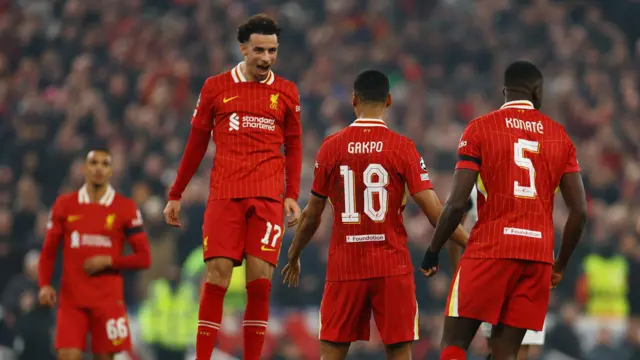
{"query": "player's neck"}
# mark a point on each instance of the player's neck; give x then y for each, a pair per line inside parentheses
(96, 191)
(247, 75)
(370, 114)
(516, 96)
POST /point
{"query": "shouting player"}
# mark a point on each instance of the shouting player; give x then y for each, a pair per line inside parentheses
(518, 157)
(93, 224)
(251, 113)
(363, 170)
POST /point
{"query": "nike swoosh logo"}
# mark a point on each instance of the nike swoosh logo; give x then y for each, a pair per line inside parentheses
(226, 100)
(72, 218)
(265, 248)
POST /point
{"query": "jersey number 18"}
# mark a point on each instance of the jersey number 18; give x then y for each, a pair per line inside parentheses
(375, 179)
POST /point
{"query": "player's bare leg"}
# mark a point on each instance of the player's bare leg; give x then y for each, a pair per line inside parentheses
(256, 314)
(103, 356)
(523, 353)
(333, 351)
(457, 335)
(505, 342)
(399, 351)
(217, 281)
(70, 354)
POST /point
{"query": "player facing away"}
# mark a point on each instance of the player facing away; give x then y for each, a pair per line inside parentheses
(251, 113)
(93, 225)
(518, 157)
(531, 338)
(363, 171)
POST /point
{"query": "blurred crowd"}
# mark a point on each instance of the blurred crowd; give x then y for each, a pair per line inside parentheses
(125, 74)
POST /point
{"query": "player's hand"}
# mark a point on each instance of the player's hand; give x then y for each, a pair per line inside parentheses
(172, 213)
(291, 273)
(292, 210)
(556, 277)
(430, 263)
(97, 263)
(47, 296)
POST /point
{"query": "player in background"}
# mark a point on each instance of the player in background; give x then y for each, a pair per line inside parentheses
(518, 157)
(363, 170)
(93, 225)
(250, 112)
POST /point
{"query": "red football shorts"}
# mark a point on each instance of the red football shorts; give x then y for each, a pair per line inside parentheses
(345, 311)
(108, 326)
(233, 228)
(506, 291)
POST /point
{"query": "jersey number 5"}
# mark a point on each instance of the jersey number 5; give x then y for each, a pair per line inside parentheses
(519, 156)
(374, 186)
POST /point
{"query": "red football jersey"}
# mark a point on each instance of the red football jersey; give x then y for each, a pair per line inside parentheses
(88, 229)
(250, 121)
(521, 155)
(364, 170)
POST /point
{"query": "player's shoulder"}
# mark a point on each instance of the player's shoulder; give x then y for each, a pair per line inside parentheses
(285, 86)
(218, 81)
(124, 202)
(66, 199)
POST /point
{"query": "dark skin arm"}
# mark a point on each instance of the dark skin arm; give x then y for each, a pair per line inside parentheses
(572, 190)
(454, 251)
(308, 224)
(431, 206)
(454, 208)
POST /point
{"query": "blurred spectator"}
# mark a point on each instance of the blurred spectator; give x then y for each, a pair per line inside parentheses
(563, 337)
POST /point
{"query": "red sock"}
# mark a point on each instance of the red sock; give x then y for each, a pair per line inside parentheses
(209, 317)
(453, 353)
(256, 316)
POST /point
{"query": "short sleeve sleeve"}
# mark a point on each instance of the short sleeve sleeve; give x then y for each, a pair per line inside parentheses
(322, 172)
(415, 170)
(572, 164)
(469, 150)
(203, 115)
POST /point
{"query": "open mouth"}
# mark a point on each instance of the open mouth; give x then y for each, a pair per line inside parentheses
(264, 68)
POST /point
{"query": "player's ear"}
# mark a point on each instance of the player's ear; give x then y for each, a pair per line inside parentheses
(389, 100)
(537, 96)
(244, 49)
(354, 100)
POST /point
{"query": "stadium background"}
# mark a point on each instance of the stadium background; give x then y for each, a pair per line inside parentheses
(126, 73)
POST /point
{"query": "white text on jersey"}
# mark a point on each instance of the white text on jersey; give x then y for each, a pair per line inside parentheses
(533, 126)
(364, 147)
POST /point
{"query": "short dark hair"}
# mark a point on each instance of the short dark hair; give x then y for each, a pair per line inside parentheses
(99, 149)
(371, 86)
(258, 24)
(522, 74)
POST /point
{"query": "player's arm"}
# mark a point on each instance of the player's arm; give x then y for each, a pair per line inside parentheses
(47, 261)
(464, 179)
(197, 142)
(311, 216)
(293, 146)
(416, 175)
(310, 220)
(137, 238)
(55, 232)
(574, 197)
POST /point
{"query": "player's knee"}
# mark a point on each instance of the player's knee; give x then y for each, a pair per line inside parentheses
(103, 356)
(258, 269)
(398, 351)
(219, 271)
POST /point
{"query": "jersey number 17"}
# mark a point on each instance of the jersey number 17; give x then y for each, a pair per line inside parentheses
(375, 178)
